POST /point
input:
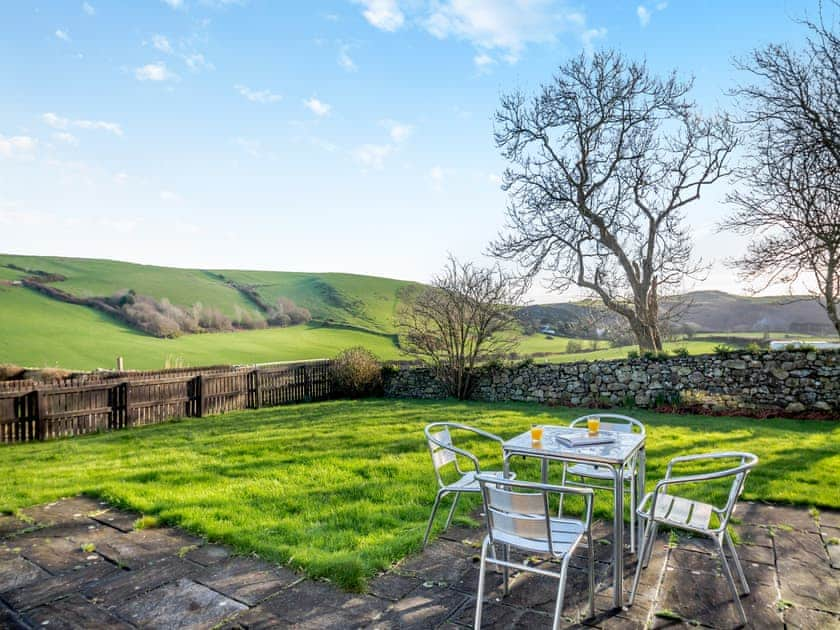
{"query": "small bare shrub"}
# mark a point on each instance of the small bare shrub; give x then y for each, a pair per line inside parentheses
(9, 371)
(286, 313)
(356, 372)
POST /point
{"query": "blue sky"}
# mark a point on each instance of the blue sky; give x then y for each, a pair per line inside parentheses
(318, 136)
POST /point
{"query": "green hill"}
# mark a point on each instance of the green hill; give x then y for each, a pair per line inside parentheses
(38, 331)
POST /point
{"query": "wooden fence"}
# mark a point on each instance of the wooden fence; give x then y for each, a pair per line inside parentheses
(32, 411)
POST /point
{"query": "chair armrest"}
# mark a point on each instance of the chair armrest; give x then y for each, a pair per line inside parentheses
(486, 434)
(748, 460)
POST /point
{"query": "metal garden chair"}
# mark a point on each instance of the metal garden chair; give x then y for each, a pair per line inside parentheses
(663, 507)
(444, 453)
(614, 422)
(518, 516)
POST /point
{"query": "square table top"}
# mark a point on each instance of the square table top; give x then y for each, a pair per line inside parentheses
(619, 452)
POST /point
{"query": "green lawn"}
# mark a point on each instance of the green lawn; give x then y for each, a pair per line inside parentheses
(342, 489)
(41, 332)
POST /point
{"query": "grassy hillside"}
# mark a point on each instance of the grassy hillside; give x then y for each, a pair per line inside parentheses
(41, 332)
(99, 278)
(363, 301)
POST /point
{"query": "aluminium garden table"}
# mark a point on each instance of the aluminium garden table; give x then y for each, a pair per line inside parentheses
(616, 456)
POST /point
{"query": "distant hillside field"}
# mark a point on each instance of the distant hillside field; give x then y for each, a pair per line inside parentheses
(347, 310)
(41, 332)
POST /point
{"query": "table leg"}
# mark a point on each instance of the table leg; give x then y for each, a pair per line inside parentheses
(618, 537)
(640, 493)
(544, 470)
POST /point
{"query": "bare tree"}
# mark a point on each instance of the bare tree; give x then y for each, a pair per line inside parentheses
(605, 159)
(790, 204)
(465, 317)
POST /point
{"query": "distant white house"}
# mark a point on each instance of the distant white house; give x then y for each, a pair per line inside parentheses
(547, 330)
(794, 344)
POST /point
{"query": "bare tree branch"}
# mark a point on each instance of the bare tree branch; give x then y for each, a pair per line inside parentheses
(604, 161)
(465, 317)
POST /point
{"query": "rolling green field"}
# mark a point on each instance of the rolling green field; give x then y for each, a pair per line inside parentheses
(343, 489)
(365, 302)
(347, 310)
(41, 332)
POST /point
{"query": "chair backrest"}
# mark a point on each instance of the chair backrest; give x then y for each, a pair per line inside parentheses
(443, 451)
(612, 422)
(517, 510)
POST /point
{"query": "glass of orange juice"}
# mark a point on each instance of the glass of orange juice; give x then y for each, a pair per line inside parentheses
(536, 433)
(593, 423)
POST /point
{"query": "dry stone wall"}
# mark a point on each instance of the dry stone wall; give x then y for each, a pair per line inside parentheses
(795, 382)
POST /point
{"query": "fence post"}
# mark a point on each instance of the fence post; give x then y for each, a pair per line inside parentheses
(199, 396)
(307, 384)
(40, 415)
(257, 388)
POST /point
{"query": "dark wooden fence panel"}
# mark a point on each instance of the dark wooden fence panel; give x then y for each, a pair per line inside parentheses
(40, 411)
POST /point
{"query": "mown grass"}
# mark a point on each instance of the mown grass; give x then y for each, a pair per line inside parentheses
(41, 332)
(343, 489)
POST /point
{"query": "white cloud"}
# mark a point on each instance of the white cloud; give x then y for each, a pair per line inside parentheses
(162, 44)
(169, 196)
(319, 108)
(62, 35)
(65, 137)
(437, 175)
(196, 62)
(383, 14)
(398, 131)
(483, 61)
(174, 4)
(60, 122)
(120, 178)
(372, 156)
(183, 227)
(17, 146)
(345, 61)
(661, 6)
(12, 214)
(258, 96)
(494, 179)
(88, 8)
(501, 24)
(644, 15)
(154, 72)
(590, 35)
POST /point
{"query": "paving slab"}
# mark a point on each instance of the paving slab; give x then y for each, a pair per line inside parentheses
(11, 525)
(805, 547)
(798, 618)
(441, 561)
(394, 586)
(73, 613)
(16, 572)
(63, 510)
(44, 591)
(118, 519)
(181, 604)
(756, 553)
(810, 585)
(207, 555)
(422, 608)
(830, 518)
(779, 516)
(246, 579)
(11, 620)
(115, 589)
(754, 535)
(696, 596)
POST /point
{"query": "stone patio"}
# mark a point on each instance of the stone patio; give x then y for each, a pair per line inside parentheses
(77, 563)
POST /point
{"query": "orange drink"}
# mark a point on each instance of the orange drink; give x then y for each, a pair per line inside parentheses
(594, 425)
(536, 433)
